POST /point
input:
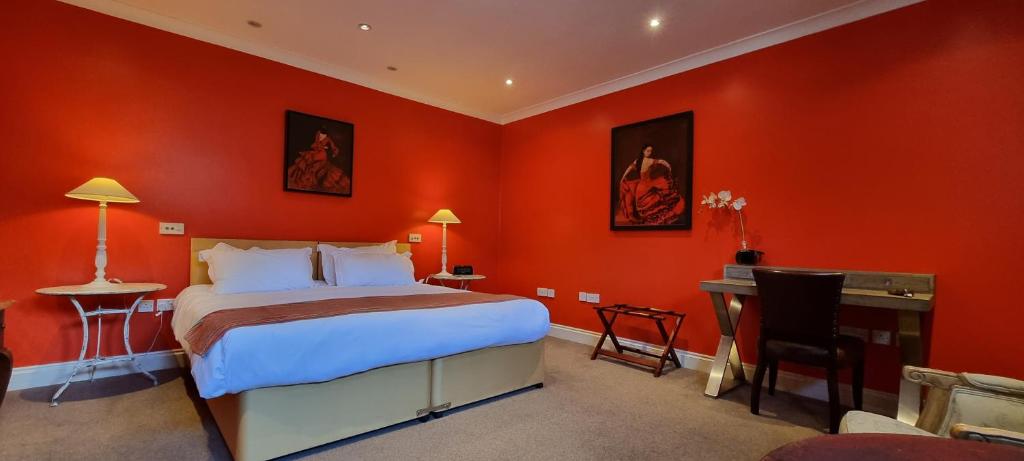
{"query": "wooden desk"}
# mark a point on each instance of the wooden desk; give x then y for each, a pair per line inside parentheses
(868, 289)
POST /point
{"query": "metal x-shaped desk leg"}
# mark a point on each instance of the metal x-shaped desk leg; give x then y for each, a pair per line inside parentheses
(727, 356)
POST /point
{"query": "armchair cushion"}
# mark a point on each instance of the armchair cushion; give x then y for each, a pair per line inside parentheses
(979, 407)
(861, 422)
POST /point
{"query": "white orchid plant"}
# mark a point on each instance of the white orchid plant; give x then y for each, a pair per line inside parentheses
(724, 199)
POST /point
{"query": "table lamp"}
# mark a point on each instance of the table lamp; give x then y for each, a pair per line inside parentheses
(102, 190)
(445, 217)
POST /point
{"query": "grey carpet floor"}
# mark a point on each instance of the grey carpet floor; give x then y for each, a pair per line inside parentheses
(587, 410)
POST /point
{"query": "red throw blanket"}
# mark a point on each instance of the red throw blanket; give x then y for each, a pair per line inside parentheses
(215, 325)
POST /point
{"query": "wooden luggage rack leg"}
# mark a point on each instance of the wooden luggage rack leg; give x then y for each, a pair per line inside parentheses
(658, 316)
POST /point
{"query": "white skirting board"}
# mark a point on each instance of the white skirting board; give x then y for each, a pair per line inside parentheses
(794, 383)
(55, 373)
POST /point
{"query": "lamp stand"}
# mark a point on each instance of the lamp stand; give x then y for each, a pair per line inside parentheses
(101, 250)
(444, 250)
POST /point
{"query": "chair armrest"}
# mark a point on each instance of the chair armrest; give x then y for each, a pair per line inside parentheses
(931, 377)
(986, 434)
(998, 384)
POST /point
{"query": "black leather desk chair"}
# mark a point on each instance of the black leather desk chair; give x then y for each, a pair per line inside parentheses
(800, 324)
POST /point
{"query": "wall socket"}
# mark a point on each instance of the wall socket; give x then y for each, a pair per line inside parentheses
(592, 298)
(415, 238)
(172, 228)
(546, 292)
(166, 304)
(146, 305)
(883, 337)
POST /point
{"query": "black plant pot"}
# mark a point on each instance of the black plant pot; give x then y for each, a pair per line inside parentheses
(748, 257)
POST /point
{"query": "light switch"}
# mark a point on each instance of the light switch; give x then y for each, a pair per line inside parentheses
(415, 238)
(172, 228)
(593, 298)
(551, 292)
(542, 292)
(146, 305)
(583, 296)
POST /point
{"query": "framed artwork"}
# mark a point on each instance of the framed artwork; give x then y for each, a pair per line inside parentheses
(652, 174)
(317, 154)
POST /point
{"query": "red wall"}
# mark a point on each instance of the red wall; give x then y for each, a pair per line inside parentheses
(196, 131)
(891, 144)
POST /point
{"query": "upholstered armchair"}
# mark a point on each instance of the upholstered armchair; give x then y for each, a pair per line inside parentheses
(959, 405)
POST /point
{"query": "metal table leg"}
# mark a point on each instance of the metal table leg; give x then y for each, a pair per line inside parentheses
(728, 355)
(81, 354)
(127, 346)
(99, 359)
(911, 353)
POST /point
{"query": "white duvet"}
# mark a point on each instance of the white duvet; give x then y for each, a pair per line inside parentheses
(308, 351)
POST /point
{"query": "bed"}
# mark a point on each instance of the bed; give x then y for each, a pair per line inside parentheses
(281, 388)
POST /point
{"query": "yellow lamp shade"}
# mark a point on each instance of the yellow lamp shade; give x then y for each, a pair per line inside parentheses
(102, 190)
(444, 215)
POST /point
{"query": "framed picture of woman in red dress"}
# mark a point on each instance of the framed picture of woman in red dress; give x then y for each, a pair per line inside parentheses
(317, 155)
(652, 174)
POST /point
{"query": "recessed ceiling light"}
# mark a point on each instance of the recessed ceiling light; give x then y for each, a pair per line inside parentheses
(364, 26)
(255, 24)
(508, 82)
(655, 22)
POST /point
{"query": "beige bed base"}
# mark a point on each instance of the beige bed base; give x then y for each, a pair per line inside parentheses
(266, 423)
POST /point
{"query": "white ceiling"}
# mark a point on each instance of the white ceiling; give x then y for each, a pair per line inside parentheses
(456, 54)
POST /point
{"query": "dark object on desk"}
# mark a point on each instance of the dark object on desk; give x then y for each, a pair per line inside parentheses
(658, 316)
(748, 257)
(463, 270)
(6, 359)
(891, 447)
(800, 324)
(905, 292)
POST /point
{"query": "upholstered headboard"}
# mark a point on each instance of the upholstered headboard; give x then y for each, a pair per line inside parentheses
(199, 272)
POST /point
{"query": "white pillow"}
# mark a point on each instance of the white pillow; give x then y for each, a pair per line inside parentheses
(220, 246)
(373, 269)
(260, 270)
(327, 253)
(205, 256)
